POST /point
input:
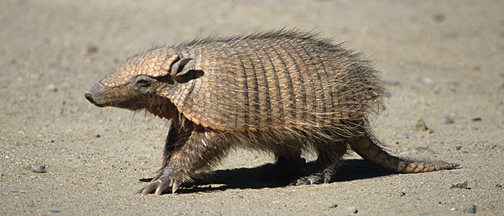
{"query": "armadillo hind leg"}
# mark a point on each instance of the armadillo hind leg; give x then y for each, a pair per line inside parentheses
(329, 158)
(199, 151)
(368, 150)
(286, 166)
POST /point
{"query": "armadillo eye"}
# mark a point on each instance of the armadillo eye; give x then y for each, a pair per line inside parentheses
(143, 82)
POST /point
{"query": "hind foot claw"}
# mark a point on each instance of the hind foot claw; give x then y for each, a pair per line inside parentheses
(311, 179)
(158, 186)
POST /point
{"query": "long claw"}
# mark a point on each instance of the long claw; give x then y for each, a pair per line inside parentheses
(315, 178)
(161, 187)
(153, 185)
(175, 186)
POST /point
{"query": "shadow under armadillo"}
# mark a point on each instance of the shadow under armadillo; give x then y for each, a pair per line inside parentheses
(251, 178)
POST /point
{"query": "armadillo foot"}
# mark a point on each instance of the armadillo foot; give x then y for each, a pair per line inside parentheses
(158, 186)
(322, 173)
(315, 178)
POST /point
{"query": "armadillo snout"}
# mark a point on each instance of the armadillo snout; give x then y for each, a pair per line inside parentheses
(89, 97)
(91, 94)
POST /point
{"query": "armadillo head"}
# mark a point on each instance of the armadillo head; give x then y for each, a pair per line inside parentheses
(136, 83)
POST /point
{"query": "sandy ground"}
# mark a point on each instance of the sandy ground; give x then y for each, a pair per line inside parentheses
(439, 58)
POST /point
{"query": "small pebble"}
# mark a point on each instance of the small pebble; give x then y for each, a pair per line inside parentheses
(91, 49)
(446, 120)
(421, 126)
(471, 209)
(463, 185)
(402, 135)
(48, 139)
(352, 210)
(422, 148)
(427, 80)
(401, 194)
(499, 186)
(53, 211)
(476, 119)
(391, 82)
(38, 168)
(440, 17)
(333, 206)
(452, 86)
(52, 88)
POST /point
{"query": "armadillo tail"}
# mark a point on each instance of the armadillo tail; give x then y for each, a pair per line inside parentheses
(371, 152)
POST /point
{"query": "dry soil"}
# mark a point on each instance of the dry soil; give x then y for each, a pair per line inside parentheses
(438, 59)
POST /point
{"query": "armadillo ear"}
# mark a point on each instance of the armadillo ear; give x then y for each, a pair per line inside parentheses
(182, 66)
(183, 71)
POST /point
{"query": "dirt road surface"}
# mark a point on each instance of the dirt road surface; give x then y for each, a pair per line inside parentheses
(440, 60)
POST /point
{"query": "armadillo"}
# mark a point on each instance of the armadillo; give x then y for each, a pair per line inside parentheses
(284, 92)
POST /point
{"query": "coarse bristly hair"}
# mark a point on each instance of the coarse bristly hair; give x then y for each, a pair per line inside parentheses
(354, 85)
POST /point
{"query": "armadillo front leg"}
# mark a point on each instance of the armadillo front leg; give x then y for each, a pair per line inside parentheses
(175, 139)
(199, 151)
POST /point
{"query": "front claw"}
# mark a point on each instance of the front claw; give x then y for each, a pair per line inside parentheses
(309, 180)
(159, 185)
